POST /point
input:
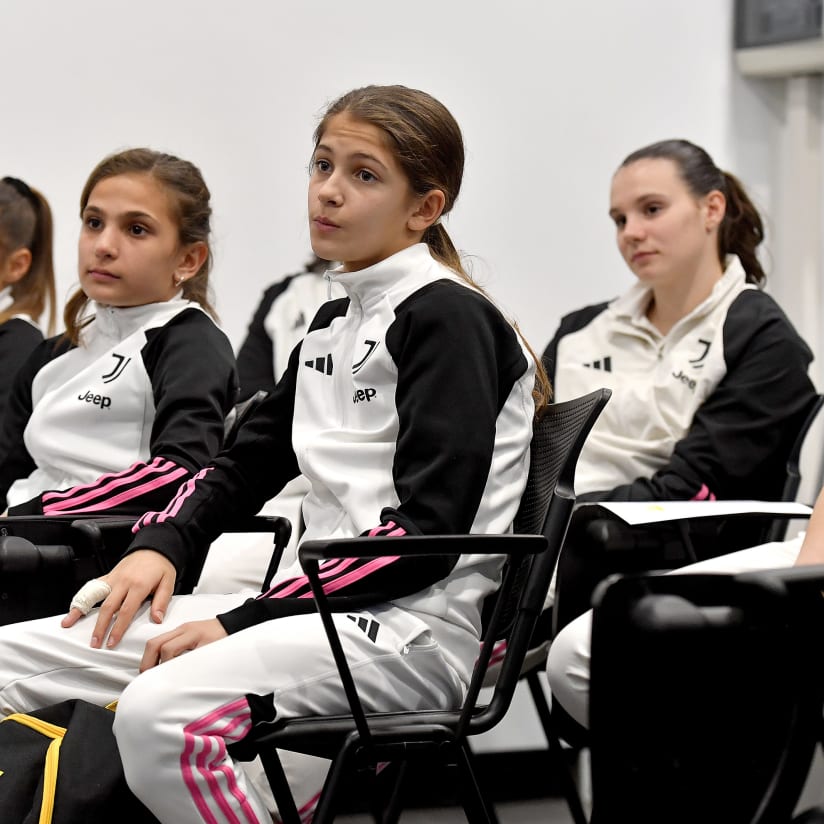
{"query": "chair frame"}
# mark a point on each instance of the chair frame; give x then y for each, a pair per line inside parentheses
(359, 739)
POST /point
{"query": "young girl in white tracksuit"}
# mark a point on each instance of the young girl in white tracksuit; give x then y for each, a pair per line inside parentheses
(26, 276)
(409, 408)
(730, 386)
(708, 376)
(111, 416)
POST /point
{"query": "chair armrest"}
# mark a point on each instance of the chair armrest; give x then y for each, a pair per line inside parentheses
(364, 547)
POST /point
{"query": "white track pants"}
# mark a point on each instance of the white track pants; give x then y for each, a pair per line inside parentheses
(173, 722)
(569, 653)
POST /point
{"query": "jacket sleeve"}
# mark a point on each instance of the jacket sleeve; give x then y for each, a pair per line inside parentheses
(741, 436)
(234, 485)
(255, 359)
(18, 339)
(191, 367)
(458, 360)
(15, 461)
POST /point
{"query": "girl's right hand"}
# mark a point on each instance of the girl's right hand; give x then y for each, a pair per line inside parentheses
(141, 573)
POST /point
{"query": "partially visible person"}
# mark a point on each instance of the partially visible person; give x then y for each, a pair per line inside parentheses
(279, 323)
(708, 376)
(238, 560)
(27, 288)
(111, 416)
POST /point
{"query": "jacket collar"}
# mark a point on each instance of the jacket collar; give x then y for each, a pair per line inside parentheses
(632, 305)
(118, 323)
(396, 277)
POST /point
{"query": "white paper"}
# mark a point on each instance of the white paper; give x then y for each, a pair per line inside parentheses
(650, 512)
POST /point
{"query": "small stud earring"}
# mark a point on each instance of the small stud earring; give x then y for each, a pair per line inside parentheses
(178, 280)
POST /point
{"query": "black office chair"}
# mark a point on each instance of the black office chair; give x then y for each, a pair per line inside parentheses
(44, 560)
(359, 740)
(706, 696)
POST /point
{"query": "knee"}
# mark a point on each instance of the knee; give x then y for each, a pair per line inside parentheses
(140, 717)
(135, 719)
(568, 668)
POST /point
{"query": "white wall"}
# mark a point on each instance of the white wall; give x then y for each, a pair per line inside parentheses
(551, 95)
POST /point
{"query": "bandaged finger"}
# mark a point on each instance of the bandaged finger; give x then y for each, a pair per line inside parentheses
(90, 594)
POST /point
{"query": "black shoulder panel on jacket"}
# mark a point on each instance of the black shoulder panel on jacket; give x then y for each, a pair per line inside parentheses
(573, 322)
(328, 312)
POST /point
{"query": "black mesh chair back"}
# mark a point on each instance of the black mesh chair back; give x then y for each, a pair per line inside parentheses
(545, 509)
(240, 413)
(706, 695)
(432, 737)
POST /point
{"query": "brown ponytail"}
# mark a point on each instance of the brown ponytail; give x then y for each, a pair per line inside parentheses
(742, 230)
(26, 223)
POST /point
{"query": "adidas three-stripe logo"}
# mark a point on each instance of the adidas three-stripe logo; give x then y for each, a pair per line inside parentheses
(605, 364)
(370, 627)
(323, 364)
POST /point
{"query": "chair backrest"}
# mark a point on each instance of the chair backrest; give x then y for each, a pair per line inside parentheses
(705, 695)
(805, 470)
(805, 464)
(239, 413)
(546, 507)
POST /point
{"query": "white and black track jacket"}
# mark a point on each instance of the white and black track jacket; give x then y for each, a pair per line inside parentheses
(710, 410)
(114, 425)
(409, 408)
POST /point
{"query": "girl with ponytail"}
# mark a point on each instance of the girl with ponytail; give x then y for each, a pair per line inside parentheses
(708, 376)
(26, 276)
(110, 416)
(408, 406)
(708, 372)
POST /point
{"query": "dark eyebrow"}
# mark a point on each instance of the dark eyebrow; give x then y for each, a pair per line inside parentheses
(368, 157)
(133, 215)
(354, 156)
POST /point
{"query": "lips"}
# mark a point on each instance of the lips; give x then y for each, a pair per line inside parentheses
(324, 224)
(102, 275)
(640, 257)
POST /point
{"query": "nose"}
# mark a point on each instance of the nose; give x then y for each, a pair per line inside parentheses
(633, 228)
(105, 243)
(329, 190)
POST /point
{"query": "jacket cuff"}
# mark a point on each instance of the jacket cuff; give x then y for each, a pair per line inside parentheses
(162, 538)
(32, 507)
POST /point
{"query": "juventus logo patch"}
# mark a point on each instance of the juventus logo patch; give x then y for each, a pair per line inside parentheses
(371, 345)
(117, 371)
(696, 362)
(369, 626)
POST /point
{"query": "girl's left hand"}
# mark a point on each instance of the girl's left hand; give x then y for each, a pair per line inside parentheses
(186, 637)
